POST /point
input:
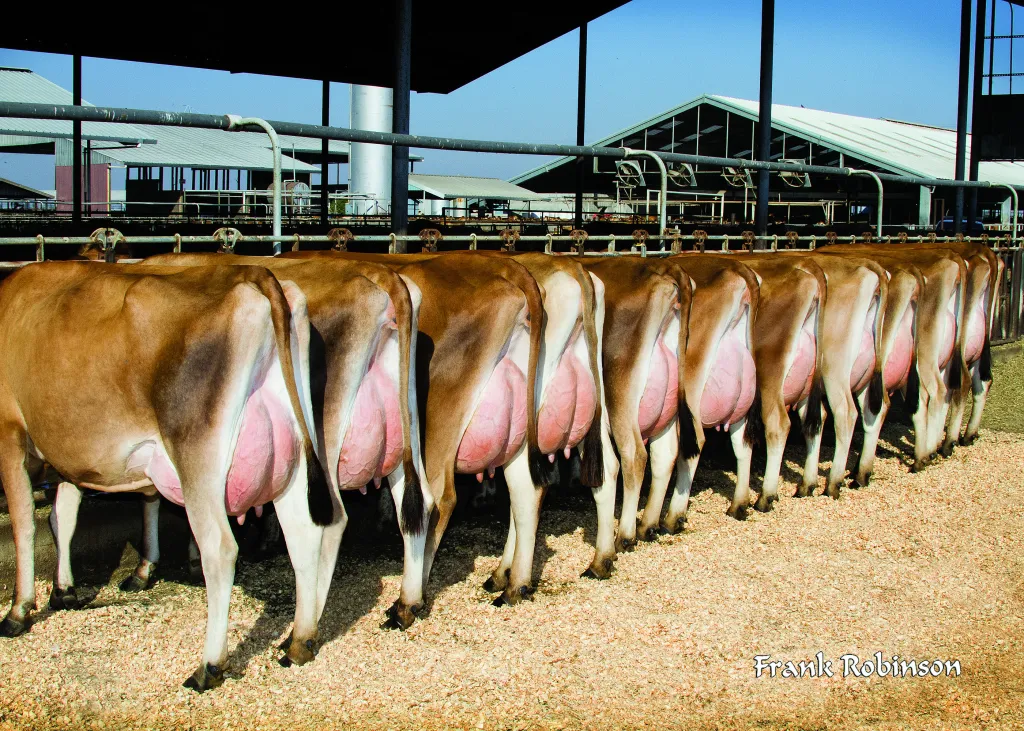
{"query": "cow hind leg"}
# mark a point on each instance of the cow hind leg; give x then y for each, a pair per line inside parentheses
(526, 498)
(844, 419)
(776, 429)
(63, 520)
(664, 449)
(498, 580)
(142, 576)
(304, 539)
(958, 404)
(979, 390)
(21, 509)
(633, 457)
(743, 450)
(409, 604)
(872, 423)
(218, 553)
(604, 500)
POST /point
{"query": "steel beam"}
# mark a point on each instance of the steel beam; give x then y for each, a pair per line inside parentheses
(979, 71)
(764, 119)
(581, 114)
(400, 119)
(961, 110)
(76, 142)
(325, 119)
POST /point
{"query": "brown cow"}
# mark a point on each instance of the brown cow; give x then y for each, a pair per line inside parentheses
(645, 320)
(198, 389)
(480, 333)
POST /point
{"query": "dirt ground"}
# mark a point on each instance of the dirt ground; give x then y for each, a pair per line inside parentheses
(927, 566)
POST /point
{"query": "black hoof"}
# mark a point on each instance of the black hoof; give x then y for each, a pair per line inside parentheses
(674, 527)
(65, 599)
(298, 655)
(134, 583)
(399, 617)
(967, 440)
(947, 449)
(12, 627)
(832, 491)
(625, 545)
(205, 678)
(860, 481)
(738, 513)
(286, 644)
(494, 585)
(765, 504)
(649, 534)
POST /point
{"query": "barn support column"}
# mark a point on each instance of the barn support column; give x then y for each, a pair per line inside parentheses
(325, 120)
(764, 121)
(979, 69)
(400, 121)
(581, 115)
(961, 110)
(924, 206)
(76, 143)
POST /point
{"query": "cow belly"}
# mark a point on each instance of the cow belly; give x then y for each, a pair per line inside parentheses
(729, 389)
(659, 402)
(797, 385)
(265, 455)
(570, 401)
(974, 337)
(373, 443)
(498, 426)
(864, 363)
(897, 367)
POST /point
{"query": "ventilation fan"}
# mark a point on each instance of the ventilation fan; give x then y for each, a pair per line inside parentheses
(628, 175)
(795, 180)
(682, 175)
(738, 178)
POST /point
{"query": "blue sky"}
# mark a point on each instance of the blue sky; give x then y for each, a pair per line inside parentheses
(893, 58)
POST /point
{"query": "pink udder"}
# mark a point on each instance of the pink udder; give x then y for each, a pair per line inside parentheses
(373, 443)
(265, 454)
(498, 427)
(974, 338)
(864, 363)
(797, 385)
(897, 368)
(729, 389)
(659, 402)
(570, 401)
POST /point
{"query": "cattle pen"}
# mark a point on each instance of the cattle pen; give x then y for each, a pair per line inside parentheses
(913, 567)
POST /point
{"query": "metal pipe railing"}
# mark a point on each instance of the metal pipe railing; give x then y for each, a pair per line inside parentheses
(212, 121)
(235, 124)
(662, 199)
(878, 182)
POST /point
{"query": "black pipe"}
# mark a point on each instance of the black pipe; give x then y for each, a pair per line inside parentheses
(400, 120)
(961, 110)
(979, 70)
(764, 121)
(21, 110)
(76, 142)
(581, 115)
(325, 119)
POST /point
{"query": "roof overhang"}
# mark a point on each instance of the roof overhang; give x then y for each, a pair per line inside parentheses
(452, 44)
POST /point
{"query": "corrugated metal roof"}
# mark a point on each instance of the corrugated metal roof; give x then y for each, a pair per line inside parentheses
(311, 145)
(903, 148)
(24, 189)
(206, 149)
(22, 85)
(461, 186)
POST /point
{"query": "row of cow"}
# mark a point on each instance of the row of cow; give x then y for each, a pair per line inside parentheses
(223, 383)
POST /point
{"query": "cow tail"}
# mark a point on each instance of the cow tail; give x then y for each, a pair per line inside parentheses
(913, 398)
(413, 519)
(986, 361)
(543, 472)
(688, 447)
(812, 423)
(753, 432)
(591, 452)
(876, 389)
(958, 366)
(318, 492)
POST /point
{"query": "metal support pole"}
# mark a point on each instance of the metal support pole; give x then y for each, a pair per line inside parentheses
(764, 121)
(400, 120)
(581, 114)
(76, 142)
(662, 207)
(961, 110)
(878, 182)
(325, 120)
(236, 124)
(979, 71)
